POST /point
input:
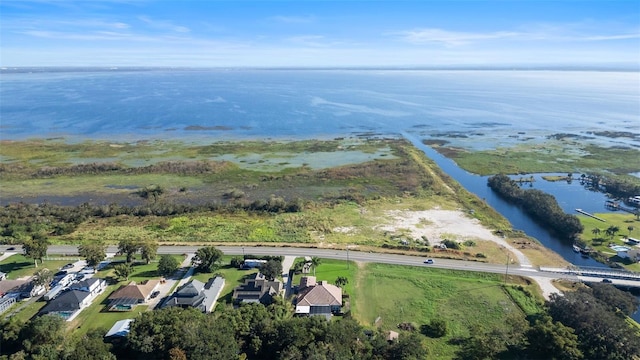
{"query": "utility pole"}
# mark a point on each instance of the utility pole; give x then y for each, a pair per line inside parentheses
(347, 256)
(506, 273)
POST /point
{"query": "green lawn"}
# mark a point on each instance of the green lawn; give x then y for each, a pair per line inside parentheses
(18, 265)
(601, 242)
(330, 269)
(393, 294)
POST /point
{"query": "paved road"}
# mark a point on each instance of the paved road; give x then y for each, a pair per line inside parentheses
(342, 255)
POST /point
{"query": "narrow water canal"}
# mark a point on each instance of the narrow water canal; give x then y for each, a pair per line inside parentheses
(569, 196)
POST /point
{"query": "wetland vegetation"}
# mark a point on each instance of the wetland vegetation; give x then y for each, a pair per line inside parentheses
(559, 154)
(337, 194)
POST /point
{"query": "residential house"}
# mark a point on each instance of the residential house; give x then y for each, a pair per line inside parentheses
(11, 286)
(626, 253)
(131, 295)
(197, 294)
(93, 286)
(321, 299)
(633, 254)
(6, 302)
(68, 304)
(257, 289)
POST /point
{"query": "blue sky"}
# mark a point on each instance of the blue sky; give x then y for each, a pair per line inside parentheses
(318, 33)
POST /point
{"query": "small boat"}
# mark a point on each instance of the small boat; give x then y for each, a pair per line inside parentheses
(576, 248)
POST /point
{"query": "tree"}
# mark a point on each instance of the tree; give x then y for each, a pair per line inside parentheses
(93, 253)
(123, 271)
(148, 249)
(602, 333)
(596, 232)
(630, 229)
(206, 259)
(437, 328)
(315, 261)
(43, 277)
(151, 191)
(10, 335)
(614, 298)
(42, 336)
(341, 281)
(129, 248)
(198, 336)
(612, 231)
(552, 340)
(167, 265)
(89, 347)
(271, 269)
(36, 248)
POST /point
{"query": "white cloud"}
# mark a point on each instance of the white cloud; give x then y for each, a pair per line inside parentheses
(163, 25)
(541, 32)
(450, 38)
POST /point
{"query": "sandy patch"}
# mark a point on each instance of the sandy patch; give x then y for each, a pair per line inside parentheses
(547, 287)
(435, 224)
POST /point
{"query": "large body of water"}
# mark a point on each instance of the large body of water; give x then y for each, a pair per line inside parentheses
(476, 109)
(482, 108)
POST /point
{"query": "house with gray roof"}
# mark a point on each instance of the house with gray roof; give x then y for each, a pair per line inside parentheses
(68, 304)
(197, 294)
(93, 286)
(257, 289)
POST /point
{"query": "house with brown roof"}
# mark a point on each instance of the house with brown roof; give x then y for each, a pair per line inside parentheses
(257, 289)
(25, 288)
(318, 298)
(131, 295)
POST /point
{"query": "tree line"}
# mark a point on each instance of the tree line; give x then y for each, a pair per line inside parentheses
(539, 205)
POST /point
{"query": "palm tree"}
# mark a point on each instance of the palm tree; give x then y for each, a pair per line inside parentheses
(315, 261)
(596, 232)
(341, 281)
(43, 277)
(612, 230)
(630, 228)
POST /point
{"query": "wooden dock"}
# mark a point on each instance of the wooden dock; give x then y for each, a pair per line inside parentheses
(590, 215)
(614, 205)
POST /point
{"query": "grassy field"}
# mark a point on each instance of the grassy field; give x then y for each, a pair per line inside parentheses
(553, 155)
(387, 295)
(18, 265)
(601, 241)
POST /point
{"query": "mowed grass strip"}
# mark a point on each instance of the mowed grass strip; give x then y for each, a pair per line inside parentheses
(393, 294)
(18, 266)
